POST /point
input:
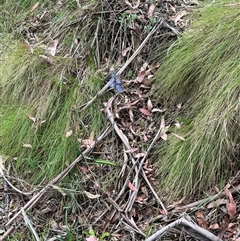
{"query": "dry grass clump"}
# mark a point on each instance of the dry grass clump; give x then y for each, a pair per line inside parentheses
(202, 72)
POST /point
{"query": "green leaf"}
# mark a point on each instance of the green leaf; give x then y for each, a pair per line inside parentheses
(104, 235)
(105, 162)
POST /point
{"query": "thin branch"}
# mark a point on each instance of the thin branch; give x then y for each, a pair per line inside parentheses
(29, 224)
(14, 188)
(183, 221)
(35, 199)
(119, 72)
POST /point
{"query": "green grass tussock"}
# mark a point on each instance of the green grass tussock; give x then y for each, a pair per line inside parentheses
(39, 105)
(202, 72)
(41, 94)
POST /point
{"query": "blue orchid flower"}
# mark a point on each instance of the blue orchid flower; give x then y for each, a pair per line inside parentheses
(115, 83)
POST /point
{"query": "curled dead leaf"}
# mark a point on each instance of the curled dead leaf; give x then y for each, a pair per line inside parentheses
(177, 124)
(27, 145)
(53, 47)
(149, 105)
(91, 196)
(140, 77)
(69, 133)
(124, 52)
(158, 110)
(231, 206)
(32, 118)
(86, 142)
(130, 185)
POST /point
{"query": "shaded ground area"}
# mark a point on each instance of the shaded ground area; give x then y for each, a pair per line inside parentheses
(114, 197)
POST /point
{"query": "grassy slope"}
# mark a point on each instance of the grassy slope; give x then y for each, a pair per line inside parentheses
(202, 72)
(50, 93)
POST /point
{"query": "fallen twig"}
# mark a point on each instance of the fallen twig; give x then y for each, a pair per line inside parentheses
(14, 188)
(137, 168)
(35, 199)
(119, 72)
(144, 175)
(184, 221)
(204, 201)
(29, 224)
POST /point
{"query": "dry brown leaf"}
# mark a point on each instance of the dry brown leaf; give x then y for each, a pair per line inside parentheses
(49, 60)
(86, 142)
(34, 6)
(27, 145)
(158, 110)
(132, 150)
(130, 185)
(149, 105)
(177, 124)
(179, 106)
(173, 8)
(59, 189)
(69, 133)
(145, 112)
(32, 118)
(91, 196)
(163, 136)
(144, 67)
(124, 52)
(230, 225)
(53, 47)
(179, 15)
(201, 220)
(151, 10)
(217, 203)
(231, 206)
(140, 77)
(214, 226)
(84, 169)
(179, 137)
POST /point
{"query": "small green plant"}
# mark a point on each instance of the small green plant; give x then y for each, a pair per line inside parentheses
(90, 233)
(130, 74)
(149, 26)
(132, 17)
(152, 20)
(127, 19)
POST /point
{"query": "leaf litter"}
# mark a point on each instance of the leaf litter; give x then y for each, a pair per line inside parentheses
(135, 119)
